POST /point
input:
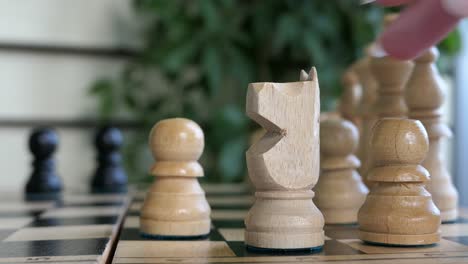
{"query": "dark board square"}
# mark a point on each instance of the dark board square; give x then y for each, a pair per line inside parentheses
(71, 247)
(229, 223)
(460, 220)
(459, 239)
(91, 220)
(32, 213)
(134, 234)
(331, 247)
(334, 247)
(133, 213)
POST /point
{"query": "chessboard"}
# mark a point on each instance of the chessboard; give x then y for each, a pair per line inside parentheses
(77, 228)
(225, 244)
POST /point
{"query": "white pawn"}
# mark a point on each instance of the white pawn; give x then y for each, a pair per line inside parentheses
(425, 80)
(398, 210)
(340, 191)
(176, 206)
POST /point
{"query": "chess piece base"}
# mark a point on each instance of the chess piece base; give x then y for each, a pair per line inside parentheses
(340, 216)
(159, 237)
(276, 241)
(399, 240)
(285, 251)
(157, 228)
(284, 220)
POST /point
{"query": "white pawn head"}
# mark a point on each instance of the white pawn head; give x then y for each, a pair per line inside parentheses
(399, 141)
(176, 145)
(338, 137)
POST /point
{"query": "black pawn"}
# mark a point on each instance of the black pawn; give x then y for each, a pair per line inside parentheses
(44, 179)
(109, 177)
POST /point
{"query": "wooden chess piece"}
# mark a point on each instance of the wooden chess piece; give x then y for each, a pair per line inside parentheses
(44, 180)
(425, 96)
(350, 98)
(284, 167)
(254, 137)
(391, 76)
(339, 193)
(370, 99)
(399, 210)
(365, 110)
(175, 205)
(109, 177)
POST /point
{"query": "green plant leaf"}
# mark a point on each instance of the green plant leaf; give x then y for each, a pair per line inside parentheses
(212, 69)
(451, 44)
(104, 90)
(232, 159)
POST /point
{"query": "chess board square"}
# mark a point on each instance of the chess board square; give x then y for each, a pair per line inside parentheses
(14, 222)
(4, 233)
(61, 232)
(132, 232)
(459, 220)
(90, 220)
(81, 247)
(25, 206)
(181, 249)
(443, 246)
(454, 230)
(330, 248)
(232, 234)
(132, 222)
(136, 206)
(459, 239)
(334, 247)
(72, 212)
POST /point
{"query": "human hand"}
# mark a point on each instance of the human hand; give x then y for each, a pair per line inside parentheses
(419, 26)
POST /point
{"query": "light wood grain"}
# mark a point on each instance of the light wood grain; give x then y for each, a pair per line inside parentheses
(425, 96)
(398, 209)
(365, 109)
(284, 165)
(175, 204)
(350, 98)
(340, 191)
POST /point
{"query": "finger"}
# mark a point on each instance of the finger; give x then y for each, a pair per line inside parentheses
(417, 28)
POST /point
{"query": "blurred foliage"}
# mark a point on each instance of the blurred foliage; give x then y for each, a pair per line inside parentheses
(199, 56)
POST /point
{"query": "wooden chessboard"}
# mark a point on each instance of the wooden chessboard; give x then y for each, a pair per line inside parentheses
(81, 228)
(85, 228)
(225, 244)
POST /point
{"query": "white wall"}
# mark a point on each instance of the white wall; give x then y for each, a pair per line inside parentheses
(41, 85)
(461, 124)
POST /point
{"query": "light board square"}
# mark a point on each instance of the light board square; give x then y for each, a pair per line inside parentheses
(14, 222)
(61, 232)
(443, 246)
(82, 211)
(181, 249)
